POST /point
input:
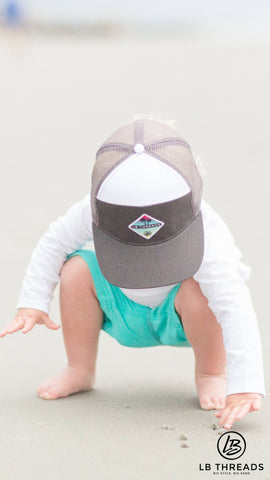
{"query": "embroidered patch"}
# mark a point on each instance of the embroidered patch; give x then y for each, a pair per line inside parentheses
(146, 226)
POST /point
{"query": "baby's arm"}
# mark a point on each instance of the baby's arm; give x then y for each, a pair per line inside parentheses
(229, 299)
(65, 235)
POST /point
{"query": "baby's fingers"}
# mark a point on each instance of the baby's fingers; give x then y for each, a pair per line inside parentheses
(228, 422)
(13, 327)
(222, 414)
(50, 324)
(244, 410)
(29, 323)
(256, 404)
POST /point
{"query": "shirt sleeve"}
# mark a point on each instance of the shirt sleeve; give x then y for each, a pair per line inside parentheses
(221, 277)
(68, 233)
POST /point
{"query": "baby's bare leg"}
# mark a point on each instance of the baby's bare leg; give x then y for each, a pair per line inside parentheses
(205, 335)
(82, 319)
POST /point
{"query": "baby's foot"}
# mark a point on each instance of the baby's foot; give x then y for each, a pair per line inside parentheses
(71, 380)
(211, 390)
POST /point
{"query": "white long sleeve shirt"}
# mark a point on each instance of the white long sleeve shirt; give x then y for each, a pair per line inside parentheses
(221, 277)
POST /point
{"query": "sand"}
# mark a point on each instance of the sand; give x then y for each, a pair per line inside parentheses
(59, 99)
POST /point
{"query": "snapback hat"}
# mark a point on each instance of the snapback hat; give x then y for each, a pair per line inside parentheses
(145, 201)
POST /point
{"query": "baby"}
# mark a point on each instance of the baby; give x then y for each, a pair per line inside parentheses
(164, 271)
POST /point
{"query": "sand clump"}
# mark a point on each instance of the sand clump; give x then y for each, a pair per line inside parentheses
(183, 438)
(166, 427)
(214, 425)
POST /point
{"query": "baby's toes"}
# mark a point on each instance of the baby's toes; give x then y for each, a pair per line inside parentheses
(206, 403)
(218, 402)
(50, 394)
(221, 402)
(43, 388)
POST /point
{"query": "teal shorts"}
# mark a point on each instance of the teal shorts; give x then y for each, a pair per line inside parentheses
(130, 323)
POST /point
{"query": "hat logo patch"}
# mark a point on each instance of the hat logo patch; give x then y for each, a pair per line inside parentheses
(146, 226)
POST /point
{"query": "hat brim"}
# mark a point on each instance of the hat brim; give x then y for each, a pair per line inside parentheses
(132, 266)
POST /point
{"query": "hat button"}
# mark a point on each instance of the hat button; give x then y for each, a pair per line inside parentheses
(139, 148)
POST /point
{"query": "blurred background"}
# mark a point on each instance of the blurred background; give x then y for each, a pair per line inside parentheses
(71, 73)
(193, 17)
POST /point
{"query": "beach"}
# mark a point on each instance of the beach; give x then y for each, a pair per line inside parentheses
(60, 97)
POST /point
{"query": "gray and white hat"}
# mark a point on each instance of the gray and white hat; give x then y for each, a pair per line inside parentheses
(145, 201)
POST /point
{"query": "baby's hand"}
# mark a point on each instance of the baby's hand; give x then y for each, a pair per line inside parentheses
(237, 406)
(26, 318)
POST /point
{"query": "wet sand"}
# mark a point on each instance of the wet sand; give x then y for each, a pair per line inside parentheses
(60, 97)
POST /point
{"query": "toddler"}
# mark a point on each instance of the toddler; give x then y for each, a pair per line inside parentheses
(164, 271)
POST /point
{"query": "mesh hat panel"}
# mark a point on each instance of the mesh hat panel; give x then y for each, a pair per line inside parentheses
(160, 141)
(105, 162)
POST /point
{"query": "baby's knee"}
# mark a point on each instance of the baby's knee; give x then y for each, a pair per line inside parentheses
(190, 298)
(75, 273)
(72, 267)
